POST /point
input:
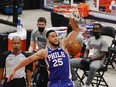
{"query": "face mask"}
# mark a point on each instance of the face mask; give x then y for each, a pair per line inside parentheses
(96, 34)
(41, 29)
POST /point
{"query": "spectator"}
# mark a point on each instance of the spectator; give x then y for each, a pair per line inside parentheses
(95, 51)
(38, 37)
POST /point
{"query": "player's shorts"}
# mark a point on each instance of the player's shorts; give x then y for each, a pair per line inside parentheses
(59, 83)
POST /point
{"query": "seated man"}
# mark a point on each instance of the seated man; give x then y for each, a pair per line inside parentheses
(95, 51)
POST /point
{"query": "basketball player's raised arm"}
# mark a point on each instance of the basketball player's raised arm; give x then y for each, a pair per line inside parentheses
(75, 30)
(36, 56)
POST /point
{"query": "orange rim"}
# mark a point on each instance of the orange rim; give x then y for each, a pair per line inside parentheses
(63, 8)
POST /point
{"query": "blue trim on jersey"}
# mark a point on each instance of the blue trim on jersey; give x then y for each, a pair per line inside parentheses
(58, 62)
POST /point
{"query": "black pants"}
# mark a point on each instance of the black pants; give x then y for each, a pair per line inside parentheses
(19, 82)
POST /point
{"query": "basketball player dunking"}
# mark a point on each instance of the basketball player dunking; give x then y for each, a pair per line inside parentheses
(56, 56)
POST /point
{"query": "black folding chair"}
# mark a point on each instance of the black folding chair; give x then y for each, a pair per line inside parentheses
(99, 77)
(110, 31)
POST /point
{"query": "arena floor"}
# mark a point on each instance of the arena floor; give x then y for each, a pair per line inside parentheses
(29, 21)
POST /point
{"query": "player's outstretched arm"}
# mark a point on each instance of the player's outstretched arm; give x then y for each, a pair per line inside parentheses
(36, 56)
(75, 29)
(72, 35)
(73, 24)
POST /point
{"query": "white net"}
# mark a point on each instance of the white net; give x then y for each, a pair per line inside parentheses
(68, 12)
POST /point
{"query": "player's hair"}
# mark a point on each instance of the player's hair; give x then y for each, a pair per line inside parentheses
(100, 25)
(48, 32)
(41, 19)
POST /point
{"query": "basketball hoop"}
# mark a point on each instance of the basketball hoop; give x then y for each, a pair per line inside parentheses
(78, 11)
(67, 11)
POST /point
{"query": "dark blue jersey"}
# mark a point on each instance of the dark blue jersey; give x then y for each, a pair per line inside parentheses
(58, 65)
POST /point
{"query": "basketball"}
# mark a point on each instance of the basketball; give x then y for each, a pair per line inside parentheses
(74, 47)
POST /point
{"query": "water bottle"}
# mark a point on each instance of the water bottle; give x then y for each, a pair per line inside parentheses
(19, 28)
